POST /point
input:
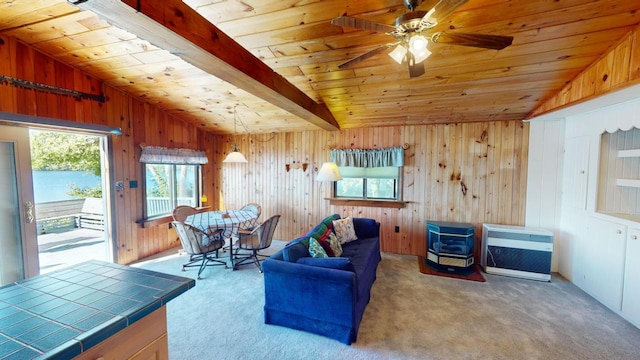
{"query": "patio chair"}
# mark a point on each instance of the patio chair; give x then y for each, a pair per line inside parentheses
(251, 241)
(181, 212)
(200, 246)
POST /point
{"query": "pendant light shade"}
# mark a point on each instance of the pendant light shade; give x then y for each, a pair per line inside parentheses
(235, 156)
(398, 54)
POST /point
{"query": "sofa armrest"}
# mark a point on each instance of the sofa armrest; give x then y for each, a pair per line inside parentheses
(310, 291)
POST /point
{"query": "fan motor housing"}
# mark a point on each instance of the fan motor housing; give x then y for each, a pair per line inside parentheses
(412, 4)
(410, 22)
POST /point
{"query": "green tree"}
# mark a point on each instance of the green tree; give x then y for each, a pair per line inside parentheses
(65, 151)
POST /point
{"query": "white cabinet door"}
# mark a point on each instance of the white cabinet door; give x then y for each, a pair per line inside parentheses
(631, 295)
(603, 261)
(576, 172)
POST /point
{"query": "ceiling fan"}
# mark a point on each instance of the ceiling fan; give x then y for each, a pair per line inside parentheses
(413, 31)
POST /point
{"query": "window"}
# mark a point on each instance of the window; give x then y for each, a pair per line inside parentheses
(167, 186)
(372, 183)
(172, 177)
(369, 175)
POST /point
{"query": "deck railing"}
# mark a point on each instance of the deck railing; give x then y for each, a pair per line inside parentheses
(59, 216)
(162, 205)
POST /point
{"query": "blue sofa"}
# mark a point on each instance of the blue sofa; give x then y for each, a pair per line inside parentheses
(324, 296)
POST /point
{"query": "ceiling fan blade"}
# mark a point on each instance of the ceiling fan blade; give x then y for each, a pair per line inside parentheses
(415, 69)
(444, 8)
(363, 24)
(497, 42)
(365, 56)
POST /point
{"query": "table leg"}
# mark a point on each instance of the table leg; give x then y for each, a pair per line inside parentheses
(231, 252)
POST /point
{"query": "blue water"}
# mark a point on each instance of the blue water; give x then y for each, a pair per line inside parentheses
(51, 186)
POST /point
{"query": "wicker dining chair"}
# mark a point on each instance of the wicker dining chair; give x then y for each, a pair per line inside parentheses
(250, 242)
(253, 207)
(181, 212)
(200, 246)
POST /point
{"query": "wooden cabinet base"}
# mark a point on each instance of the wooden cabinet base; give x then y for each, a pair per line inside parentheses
(145, 339)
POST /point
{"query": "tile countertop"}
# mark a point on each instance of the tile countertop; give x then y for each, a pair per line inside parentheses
(60, 314)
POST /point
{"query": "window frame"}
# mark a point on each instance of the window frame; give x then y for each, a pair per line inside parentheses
(197, 188)
(364, 197)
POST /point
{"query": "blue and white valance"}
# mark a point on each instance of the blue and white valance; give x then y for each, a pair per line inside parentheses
(368, 157)
(162, 155)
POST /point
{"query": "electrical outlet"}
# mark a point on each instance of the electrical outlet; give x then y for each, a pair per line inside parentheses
(397, 229)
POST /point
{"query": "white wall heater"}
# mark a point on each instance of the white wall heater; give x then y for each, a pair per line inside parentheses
(518, 251)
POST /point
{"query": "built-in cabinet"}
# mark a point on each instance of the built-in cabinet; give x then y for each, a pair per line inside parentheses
(146, 339)
(603, 259)
(598, 235)
(631, 298)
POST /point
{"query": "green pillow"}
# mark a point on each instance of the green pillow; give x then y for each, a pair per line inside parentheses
(315, 249)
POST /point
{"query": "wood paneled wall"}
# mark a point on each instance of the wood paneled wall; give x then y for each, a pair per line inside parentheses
(617, 69)
(140, 123)
(474, 172)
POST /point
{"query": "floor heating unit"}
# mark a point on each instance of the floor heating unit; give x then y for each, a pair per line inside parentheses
(518, 251)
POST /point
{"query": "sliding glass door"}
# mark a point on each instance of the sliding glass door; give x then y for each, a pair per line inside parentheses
(18, 235)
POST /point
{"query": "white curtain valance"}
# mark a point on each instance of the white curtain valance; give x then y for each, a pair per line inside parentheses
(368, 157)
(162, 155)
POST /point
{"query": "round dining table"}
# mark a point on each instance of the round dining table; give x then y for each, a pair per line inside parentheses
(229, 221)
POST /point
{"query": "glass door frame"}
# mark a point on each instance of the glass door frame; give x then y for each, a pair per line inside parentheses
(19, 137)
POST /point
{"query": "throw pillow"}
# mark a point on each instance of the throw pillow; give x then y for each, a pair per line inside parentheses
(328, 221)
(336, 247)
(344, 230)
(317, 231)
(323, 239)
(315, 249)
(339, 263)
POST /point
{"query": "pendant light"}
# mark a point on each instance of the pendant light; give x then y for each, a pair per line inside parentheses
(235, 156)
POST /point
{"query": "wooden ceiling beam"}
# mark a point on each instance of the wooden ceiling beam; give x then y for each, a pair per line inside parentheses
(174, 26)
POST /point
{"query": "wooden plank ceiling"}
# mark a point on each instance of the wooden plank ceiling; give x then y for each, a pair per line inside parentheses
(553, 41)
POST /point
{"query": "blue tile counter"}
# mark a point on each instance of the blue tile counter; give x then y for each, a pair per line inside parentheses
(63, 313)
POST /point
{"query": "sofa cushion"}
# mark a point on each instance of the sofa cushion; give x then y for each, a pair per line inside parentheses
(365, 228)
(315, 249)
(339, 263)
(344, 230)
(364, 254)
(294, 251)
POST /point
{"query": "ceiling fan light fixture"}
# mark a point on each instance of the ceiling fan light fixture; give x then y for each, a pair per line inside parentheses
(398, 54)
(417, 44)
(418, 47)
(422, 55)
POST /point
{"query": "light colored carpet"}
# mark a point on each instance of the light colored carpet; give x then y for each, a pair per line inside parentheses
(410, 316)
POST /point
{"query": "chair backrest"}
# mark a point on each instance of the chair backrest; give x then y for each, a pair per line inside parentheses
(181, 212)
(192, 239)
(266, 230)
(253, 207)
